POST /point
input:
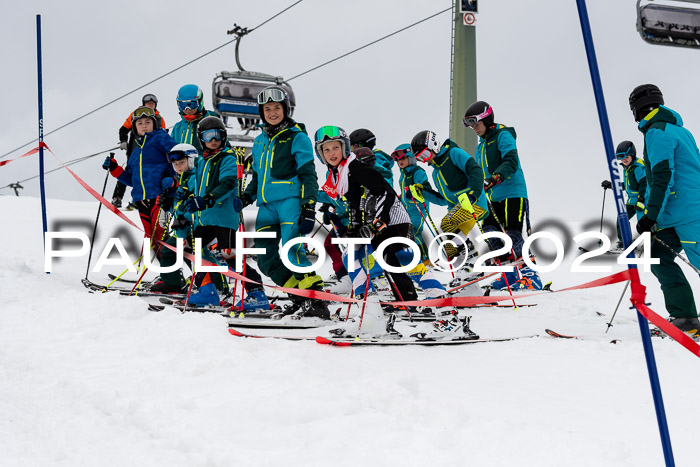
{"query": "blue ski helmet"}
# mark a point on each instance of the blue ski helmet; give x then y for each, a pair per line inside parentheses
(190, 97)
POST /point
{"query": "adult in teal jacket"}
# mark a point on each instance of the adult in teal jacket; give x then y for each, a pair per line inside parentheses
(190, 103)
(416, 193)
(672, 208)
(285, 188)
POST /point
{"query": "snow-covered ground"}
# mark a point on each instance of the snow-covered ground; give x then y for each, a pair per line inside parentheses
(90, 379)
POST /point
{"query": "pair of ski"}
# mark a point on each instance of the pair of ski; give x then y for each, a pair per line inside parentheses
(383, 341)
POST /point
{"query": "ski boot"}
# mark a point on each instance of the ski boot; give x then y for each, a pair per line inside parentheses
(117, 202)
(255, 300)
(373, 321)
(690, 326)
(343, 286)
(530, 280)
(205, 296)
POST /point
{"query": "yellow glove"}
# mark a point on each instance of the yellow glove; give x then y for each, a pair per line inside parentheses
(416, 192)
(465, 203)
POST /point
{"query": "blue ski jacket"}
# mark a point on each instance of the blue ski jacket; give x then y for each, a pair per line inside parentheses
(148, 165)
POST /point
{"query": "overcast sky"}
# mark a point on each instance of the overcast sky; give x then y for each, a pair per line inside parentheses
(531, 67)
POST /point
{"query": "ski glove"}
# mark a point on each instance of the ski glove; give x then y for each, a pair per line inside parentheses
(182, 194)
(606, 185)
(164, 201)
(307, 218)
(237, 204)
(110, 163)
(466, 203)
(645, 225)
(246, 199)
(123, 145)
(415, 192)
(200, 203)
(168, 183)
(370, 230)
(492, 181)
(180, 222)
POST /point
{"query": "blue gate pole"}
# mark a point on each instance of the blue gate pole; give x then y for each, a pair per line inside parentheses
(41, 126)
(613, 166)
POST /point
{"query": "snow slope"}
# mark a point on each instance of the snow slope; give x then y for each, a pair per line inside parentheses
(91, 379)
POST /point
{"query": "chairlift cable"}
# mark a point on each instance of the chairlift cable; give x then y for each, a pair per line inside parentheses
(144, 85)
(371, 43)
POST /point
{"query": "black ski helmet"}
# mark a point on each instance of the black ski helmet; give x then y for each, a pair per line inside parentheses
(624, 149)
(423, 140)
(366, 156)
(478, 111)
(274, 94)
(364, 137)
(645, 98)
(149, 98)
(212, 123)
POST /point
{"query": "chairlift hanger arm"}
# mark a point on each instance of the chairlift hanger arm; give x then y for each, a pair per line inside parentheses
(239, 32)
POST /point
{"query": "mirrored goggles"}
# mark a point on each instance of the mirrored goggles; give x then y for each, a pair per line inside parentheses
(192, 104)
(471, 120)
(179, 155)
(400, 154)
(150, 98)
(213, 134)
(271, 95)
(426, 155)
(327, 132)
(143, 112)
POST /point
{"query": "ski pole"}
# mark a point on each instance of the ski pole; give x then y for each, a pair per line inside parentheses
(605, 186)
(364, 299)
(677, 255)
(618, 306)
(94, 229)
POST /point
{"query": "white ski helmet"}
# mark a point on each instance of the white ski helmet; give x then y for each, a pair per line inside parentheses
(182, 150)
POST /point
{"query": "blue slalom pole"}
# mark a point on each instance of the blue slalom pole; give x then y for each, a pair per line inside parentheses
(41, 125)
(614, 168)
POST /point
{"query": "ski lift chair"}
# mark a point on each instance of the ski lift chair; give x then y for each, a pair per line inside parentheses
(235, 95)
(670, 23)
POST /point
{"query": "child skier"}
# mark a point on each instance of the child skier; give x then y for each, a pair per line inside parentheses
(504, 184)
(416, 193)
(285, 187)
(376, 213)
(461, 184)
(147, 167)
(212, 204)
(190, 103)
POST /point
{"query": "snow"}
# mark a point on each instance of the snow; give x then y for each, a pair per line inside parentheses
(96, 379)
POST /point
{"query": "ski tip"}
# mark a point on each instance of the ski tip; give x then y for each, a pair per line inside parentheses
(233, 332)
(326, 341)
(556, 334)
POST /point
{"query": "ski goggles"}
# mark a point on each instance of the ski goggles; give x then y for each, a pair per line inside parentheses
(143, 112)
(400, 154)
(192, 104)
(426, 155)
(179, 154)
(271, 95)
(471, 120)
(213, 134)
(623, 155)
(150, 98)
(328, 132)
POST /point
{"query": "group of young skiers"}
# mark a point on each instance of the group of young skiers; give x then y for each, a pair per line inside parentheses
(189, 184)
